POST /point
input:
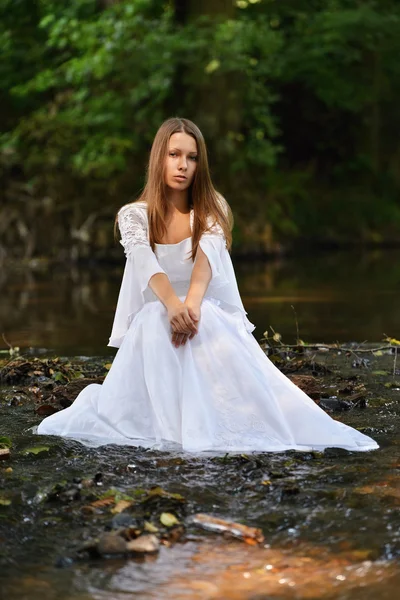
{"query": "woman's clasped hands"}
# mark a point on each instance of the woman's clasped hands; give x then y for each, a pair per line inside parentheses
(184, 320)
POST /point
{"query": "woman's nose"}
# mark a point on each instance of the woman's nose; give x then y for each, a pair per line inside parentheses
(183, 163)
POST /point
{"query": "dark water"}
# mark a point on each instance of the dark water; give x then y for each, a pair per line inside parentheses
(336, 296)
(330, 520)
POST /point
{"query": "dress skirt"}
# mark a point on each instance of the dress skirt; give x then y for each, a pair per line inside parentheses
(217, 393)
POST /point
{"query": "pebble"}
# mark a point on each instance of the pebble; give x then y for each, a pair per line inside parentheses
(144, 544)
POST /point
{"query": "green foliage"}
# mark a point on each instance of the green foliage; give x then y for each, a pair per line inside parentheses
(298, 101)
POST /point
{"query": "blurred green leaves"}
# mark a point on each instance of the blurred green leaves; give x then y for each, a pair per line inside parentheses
(298, 101)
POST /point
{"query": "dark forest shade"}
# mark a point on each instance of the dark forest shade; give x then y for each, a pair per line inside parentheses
(298, 102)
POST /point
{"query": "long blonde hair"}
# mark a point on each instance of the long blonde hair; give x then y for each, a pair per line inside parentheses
(209, 207)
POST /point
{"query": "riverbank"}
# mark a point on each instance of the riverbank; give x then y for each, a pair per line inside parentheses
(329, 520)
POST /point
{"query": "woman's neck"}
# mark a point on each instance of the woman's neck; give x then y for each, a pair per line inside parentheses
(178, 201)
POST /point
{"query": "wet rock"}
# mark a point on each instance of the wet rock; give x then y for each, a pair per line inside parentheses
(70, 495)
(290, 488)
(122, 520)
(253, 469)
(336, 452)
(110, 543)
(88, 482)
(147, 543)
(335, 404)
(63, 562)
(359, 363)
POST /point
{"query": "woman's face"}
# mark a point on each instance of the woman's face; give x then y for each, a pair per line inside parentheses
(181, 161)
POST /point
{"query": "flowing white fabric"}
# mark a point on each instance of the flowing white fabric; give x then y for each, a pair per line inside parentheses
(217, 393)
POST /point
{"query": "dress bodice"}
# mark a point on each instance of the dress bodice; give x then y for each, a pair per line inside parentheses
(175, 260)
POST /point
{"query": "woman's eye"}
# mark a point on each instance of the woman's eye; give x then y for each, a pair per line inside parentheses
(172, 154)
(194, 157)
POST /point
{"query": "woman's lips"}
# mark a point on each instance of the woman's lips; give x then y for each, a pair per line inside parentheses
(180, 177)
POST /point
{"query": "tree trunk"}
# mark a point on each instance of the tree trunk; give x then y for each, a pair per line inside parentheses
(213, 104)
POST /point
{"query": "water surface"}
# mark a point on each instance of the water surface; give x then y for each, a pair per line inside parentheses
(342, 296)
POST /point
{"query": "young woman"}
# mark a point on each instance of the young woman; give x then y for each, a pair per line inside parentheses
(189, 373)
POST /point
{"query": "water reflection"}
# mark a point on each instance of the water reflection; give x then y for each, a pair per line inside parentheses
(334, 296)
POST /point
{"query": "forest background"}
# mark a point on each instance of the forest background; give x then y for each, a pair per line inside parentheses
(298, 101)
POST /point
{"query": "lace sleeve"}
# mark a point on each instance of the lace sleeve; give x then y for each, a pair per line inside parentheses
(132, 223)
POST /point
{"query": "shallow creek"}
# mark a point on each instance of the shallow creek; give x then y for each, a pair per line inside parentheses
(331, 520)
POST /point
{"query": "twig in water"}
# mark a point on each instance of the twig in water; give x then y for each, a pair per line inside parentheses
(297, 324)
(7, 343)
(277, 336)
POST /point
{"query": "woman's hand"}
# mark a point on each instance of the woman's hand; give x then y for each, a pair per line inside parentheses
(194, 311)
(182, 318)
(180, 339)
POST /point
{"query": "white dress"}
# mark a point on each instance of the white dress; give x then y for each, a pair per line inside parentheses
(217, 393)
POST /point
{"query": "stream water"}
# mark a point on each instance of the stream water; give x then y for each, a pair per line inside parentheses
(331, 520)
(336, 296)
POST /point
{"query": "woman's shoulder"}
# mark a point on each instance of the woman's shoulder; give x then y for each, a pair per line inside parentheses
(137, 207)
(133, 214)
(132, 217)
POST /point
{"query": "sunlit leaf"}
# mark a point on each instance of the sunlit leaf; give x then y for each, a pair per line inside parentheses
(150, 528)
(120, 506)
(168, 519)
(36, 450)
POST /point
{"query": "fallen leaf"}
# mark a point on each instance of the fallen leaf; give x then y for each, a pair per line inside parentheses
(168, 519)
(392, 341)
(36, 450)
(45, 410)
(150, 528)
(221, 526)
(144, 544)
(103, 502)
(120, 506)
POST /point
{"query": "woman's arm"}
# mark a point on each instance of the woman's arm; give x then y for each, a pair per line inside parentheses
(132, 223)
(180, 315)
(201, 277)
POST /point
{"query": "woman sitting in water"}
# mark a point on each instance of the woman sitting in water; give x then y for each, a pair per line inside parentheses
(188, 373)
